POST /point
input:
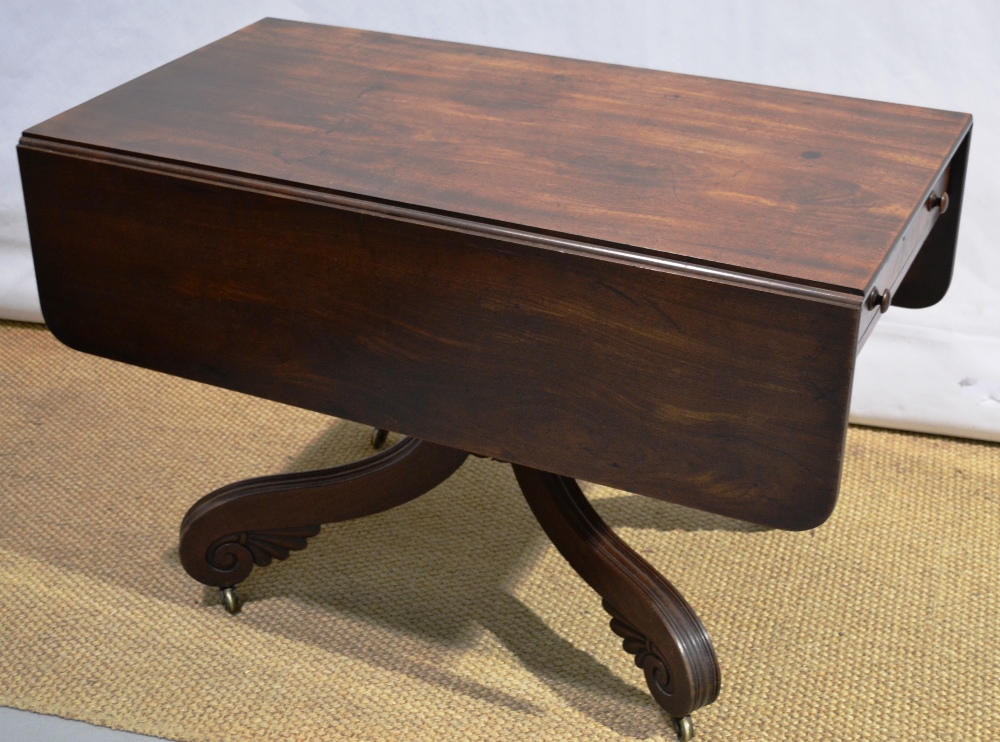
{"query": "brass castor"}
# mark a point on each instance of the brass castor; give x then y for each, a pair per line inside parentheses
(230, 600)
(685, 729)
(378, 438)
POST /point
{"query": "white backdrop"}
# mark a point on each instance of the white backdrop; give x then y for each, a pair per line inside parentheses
(935, 370)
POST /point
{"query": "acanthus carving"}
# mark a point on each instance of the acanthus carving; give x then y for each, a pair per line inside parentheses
(656, 624)
(255, 521)
(647, 656)
(236, 553)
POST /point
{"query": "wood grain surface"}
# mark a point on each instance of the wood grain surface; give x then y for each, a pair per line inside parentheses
(657, 625)
(651, 281)
(718, 396)
(809, 187)
(255, 521)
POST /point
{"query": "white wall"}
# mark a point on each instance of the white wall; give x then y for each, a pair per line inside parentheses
(934, 370)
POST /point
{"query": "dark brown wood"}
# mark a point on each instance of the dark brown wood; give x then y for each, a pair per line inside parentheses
(790, 184)
(656, 624)
(652, 281)
(720, 396)
(648, 280)
(251, 522)
(926, 281)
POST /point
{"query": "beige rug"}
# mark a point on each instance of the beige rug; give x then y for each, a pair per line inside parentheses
(451, 618)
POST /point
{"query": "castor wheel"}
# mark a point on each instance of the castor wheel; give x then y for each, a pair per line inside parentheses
(230, 600)
(684, 728)
(378, 438)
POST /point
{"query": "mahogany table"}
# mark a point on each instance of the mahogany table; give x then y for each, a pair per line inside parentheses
(652, 281)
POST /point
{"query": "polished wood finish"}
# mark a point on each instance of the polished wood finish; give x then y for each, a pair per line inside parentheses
(652, 281)
(790, 184)
(254, 521)
(656, 624)
(925, 281)
(714, 395)
(648, 280)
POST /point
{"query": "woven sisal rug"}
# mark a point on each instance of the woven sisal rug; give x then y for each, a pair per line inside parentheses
(451, 618)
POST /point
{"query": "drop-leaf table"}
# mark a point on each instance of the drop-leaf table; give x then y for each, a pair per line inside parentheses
(648, 280)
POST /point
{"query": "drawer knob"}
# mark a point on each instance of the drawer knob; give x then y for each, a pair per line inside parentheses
(882, 301)
(937, 201)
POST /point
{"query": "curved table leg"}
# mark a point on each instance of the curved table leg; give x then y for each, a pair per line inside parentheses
(655, 622)
(254, 521)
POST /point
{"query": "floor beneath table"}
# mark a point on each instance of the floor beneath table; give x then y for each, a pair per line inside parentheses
(451, 617)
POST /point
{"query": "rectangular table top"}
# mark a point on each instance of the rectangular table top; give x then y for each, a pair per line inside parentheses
(810, 188)
(652, 281)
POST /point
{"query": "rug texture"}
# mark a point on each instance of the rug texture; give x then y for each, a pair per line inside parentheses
(451, 617)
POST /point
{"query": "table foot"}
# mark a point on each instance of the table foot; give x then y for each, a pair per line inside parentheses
(684, 729)
(378, 438)
(230, 600)
(255, 521)
(655, 623)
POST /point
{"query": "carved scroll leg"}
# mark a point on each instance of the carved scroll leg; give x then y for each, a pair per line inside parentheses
(656, 623)
(251, 522)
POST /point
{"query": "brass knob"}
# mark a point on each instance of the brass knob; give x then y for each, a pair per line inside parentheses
(933, 201)
(882, 301)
